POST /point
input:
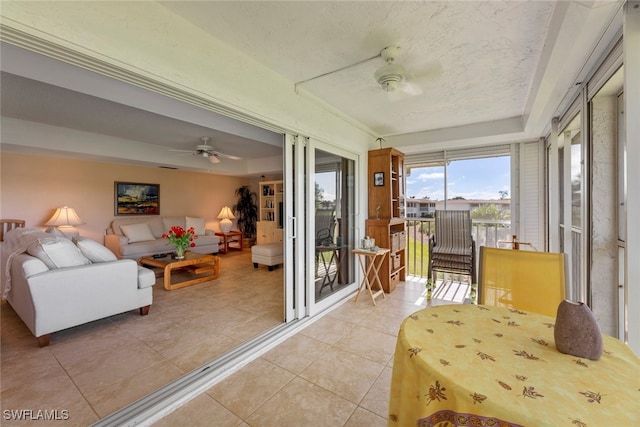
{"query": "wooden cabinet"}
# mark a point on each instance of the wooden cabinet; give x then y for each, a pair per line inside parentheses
(386, 223)
(270, 220)
(386, 184)
(267, 232)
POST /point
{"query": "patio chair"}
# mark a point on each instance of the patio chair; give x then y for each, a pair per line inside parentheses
(9, 224)
(523, 280)
(325, 231)
(452, 248)
(325, 226)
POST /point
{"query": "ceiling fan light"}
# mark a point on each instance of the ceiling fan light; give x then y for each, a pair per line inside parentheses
(390, 85)
(389, 76)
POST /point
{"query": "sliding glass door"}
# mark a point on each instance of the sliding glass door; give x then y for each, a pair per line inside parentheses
(331, 231)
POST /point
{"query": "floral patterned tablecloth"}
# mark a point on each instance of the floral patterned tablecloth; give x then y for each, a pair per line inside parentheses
(473, 365)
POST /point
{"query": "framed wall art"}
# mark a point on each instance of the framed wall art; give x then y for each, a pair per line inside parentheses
(132, 198)
(378, 179)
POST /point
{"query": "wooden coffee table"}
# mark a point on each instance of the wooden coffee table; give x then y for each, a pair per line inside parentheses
(204, 267)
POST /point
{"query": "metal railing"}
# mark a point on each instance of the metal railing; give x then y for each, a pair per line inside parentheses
(485, 233)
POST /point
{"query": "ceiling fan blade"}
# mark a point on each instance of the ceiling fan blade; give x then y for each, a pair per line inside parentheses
(431, 71)
(214, 159)
(182, 151)
(410, 88)
(397, 95)
(226, 156)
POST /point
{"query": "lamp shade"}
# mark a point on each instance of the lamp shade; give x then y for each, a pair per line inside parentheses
(226, 213)
(64, 217)
(225, 216)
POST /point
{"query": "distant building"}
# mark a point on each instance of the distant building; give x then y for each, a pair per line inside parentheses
(420, 208)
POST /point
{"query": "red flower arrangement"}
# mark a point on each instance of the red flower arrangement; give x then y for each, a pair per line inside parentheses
(181, 238)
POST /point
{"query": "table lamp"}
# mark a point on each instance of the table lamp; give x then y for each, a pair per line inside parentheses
(64, 217)
(225, 216)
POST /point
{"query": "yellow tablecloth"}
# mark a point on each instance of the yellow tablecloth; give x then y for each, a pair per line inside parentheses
(470, 365)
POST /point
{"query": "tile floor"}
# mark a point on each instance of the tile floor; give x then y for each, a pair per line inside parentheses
(335, 372)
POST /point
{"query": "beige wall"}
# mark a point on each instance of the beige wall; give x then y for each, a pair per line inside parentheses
(33, 186)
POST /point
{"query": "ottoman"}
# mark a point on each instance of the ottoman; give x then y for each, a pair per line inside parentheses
(269, 254)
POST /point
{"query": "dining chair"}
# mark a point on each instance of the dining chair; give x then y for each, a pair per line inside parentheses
(9, 224)
(524, 280)
(452, 248)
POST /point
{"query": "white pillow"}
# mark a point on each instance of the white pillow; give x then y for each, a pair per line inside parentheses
(197, 224)
(94, 250)
(170, 221)
(57, 252)
(138, 232)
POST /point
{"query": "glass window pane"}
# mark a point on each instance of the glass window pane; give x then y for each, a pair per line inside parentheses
(334, 228)
(576, 181)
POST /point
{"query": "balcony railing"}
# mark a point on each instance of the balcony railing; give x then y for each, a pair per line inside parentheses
(485, 233)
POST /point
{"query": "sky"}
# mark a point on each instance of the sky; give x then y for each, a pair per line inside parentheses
(471, 179)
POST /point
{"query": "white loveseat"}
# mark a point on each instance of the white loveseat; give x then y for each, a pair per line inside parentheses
(54, 284)
(133, 238)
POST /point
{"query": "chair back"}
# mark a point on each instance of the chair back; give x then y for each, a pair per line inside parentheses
(325, 226)
(524, 280)
(452, 249)
(9, 224)
(453, 232)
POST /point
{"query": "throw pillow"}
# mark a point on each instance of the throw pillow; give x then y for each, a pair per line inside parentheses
(170, 221)
(197, 224)
(57, 252)
(137, 232)
(94, 250)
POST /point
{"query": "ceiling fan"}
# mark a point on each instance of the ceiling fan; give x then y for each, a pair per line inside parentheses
(392, 76)
(207, 151)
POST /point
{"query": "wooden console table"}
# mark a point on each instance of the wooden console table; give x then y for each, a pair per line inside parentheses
(205, 266)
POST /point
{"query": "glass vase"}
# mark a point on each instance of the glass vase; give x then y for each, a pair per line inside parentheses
(180, 252)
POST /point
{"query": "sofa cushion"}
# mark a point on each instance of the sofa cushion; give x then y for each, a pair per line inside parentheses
(197, 224)
(170, 221)
(136, 250)
(138, 232)
(157, 226)
(57, 252)
(206, 241)
(94, 250)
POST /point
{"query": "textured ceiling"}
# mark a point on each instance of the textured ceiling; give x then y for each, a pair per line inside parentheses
(479, 72)
(473, 61)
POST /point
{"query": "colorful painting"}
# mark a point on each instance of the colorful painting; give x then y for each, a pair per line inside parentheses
(137, 199)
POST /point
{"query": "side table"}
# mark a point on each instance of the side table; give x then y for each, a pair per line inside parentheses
(232, 236)
(370, 263)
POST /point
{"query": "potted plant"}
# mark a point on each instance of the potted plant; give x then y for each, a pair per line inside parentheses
(246, 210)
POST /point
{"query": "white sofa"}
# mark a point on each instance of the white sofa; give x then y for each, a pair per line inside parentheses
(132, 238)
(54, 284)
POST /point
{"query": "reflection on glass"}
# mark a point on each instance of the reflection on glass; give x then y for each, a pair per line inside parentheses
(334, 230)
(576, 181)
